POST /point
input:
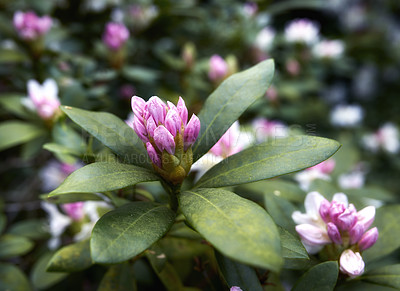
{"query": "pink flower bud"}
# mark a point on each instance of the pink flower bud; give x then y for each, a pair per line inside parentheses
(368, 239)
(356, 233)
(173, 121)
(313, 235)
(333, 233)
(30, 26)
(324, 210)
(346, 220)
(335, 210)
(218, 68)
(150, 126)
(140, 129)
(164, 139)
(115, 35)
(191, 131)
(366, 216)
(74, 210)
(351, 263)
(138, 105)
(182, 110)
(157, 109)
(153, 154)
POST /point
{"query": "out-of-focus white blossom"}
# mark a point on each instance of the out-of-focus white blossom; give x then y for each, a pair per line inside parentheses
(328, 49)
(269, 129)
(319, 171)
(352, 180)
(54, 173)
(386, 138)
(302, 31)
(347, 115)
(265, 39)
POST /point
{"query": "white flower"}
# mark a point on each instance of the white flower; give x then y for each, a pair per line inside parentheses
(265, 129)
(351, 263)
(264, 39)
(331, 49)
(347, 115)
(387, 138)
(302, 30)
(352, 180)
(319, 171)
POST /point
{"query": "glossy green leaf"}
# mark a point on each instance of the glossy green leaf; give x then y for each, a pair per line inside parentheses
(12, 278)
(280, 210)
(227, 103)
(72, 258)
(102, 177)
(129, 230)
(15, 132)
(42, 279)
(321, 277)
(239, 228)
(293, 251)
(32, 228)
(71, 197)
(164, 270)
(237, 274)
(268, 160)
(118, 278)
(13, 245)
(387, 220)
(386, 276)
(113, 133)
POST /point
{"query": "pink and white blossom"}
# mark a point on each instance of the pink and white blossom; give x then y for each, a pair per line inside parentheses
(269, 129)
(302, 31)
(218, 68)
(320, 171)
(328, 49)
(386, 138)
(265, 39)
(351, 263)
(44, 97)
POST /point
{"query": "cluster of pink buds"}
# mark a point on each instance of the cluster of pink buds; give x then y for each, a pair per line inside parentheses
(30, 26)
(338, 229)
(115, 35)
(218, 69)
(167, 134)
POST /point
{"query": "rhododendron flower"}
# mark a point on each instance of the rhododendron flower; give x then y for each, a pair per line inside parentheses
(351, 263)
(54, 173)
(337, 222)
(235, 288)
(115, 35)
(302, 31)
(329, 49)
(352, 180)
(319, 171)
(265, 129)
(264, 39)
(44, 97)
(386, 138)
(218, 68)
(347, 115)
(30, 26)
(233, 141)
(167, 134)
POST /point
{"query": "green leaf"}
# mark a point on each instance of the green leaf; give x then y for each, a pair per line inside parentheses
(32, 228)
(13, 245)
(293, 251)
(118, 278)
(237, 274)
(129, 230)
(12, 56)
(164, 270)
(71, 197)
(15, 132)
(268, 160)
(386, 276)
(102, 177)
(321, 277)
(62, 152)
(12, 102)
(387, 220)
(239, 228)
(71, 258)
(285, 189)
(12, 278)
(42, 279)
(280, 210)
(113, 133)
(227, 103)
(180, 248)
